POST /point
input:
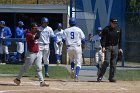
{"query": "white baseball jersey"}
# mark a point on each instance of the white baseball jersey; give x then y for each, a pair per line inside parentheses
(73, 36)
(58, 48)
(96, 39)
(58, 34)
(45, 35)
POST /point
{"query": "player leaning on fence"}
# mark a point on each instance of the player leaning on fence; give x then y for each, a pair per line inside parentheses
(111, 43)
(32, 55)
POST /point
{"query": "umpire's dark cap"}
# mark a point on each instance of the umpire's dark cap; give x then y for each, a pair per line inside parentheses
(113, 20)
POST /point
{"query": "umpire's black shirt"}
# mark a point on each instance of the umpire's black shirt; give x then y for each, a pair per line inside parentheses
(111, 36)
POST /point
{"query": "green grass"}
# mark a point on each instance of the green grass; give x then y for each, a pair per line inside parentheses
(55, 72)
(126, 75)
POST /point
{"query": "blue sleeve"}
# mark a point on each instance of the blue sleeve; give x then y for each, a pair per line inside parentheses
(83, 41)
(18, 33)
(8, 31)
(54, 38)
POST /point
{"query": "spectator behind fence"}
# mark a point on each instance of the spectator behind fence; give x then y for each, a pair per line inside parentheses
(20, 34)
(5, 33)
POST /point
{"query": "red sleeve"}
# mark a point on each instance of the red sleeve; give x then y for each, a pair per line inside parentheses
(29, 37)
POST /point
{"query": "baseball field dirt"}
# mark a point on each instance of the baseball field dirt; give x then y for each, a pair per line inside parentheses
(29, 85)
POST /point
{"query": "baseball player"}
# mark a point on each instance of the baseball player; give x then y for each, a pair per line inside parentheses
(33, 56)
(44, 42)
(99, 55)
(5, 32)
(20, 34)
(73, 37)
(58, 46)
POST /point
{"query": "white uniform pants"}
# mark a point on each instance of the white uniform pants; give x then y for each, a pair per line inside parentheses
(99, 56)
(75, 53)
(45, 53)
(3, 49)
(32, 58)
(20, 47)
(58, 48)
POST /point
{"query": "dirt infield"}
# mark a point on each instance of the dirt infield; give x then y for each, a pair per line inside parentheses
(32, 86)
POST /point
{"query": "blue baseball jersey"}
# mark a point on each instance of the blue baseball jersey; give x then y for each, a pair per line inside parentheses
(6, 33)
(19, 32)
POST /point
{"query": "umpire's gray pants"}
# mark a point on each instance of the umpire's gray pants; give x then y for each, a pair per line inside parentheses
(32, 58)
(111, 55)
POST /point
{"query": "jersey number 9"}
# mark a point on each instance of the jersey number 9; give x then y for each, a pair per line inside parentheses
(72, 35)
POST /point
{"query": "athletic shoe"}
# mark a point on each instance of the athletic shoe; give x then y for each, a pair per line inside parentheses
(43, 84)
(76, 78)
(47, 75)
(99, 79)
(112, 80)
(17, 81)
(58, 62)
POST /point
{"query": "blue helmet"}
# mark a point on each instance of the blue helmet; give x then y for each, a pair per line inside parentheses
(59, 25)
(2, 22)
(99, 29)
(72, 21)
(44, 20)
(20, 23)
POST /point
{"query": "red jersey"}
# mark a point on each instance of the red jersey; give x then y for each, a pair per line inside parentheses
(32, 44)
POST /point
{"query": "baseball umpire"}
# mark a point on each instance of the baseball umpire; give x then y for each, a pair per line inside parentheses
(5, 32)
(58, 46)
(20, 34)
(111, 43)
(44, 41)
(73, 37)
(33, 55)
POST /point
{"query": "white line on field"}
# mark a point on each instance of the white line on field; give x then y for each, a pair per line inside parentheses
(4, 91)
(91, 89)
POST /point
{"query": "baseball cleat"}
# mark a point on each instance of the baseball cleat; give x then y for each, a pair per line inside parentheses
(76, 78)
(17, 81)
(36, 76)
(58, 62)
(112, 80)
(99, 79)
(72, 73)
(47, 75)
(43, 84)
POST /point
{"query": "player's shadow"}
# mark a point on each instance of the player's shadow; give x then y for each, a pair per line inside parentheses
(7, 84)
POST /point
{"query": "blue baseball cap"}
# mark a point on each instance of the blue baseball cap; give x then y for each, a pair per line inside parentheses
(20, 23)
(99, 29)
(2, 22)
(59, 25)
(44, 20)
